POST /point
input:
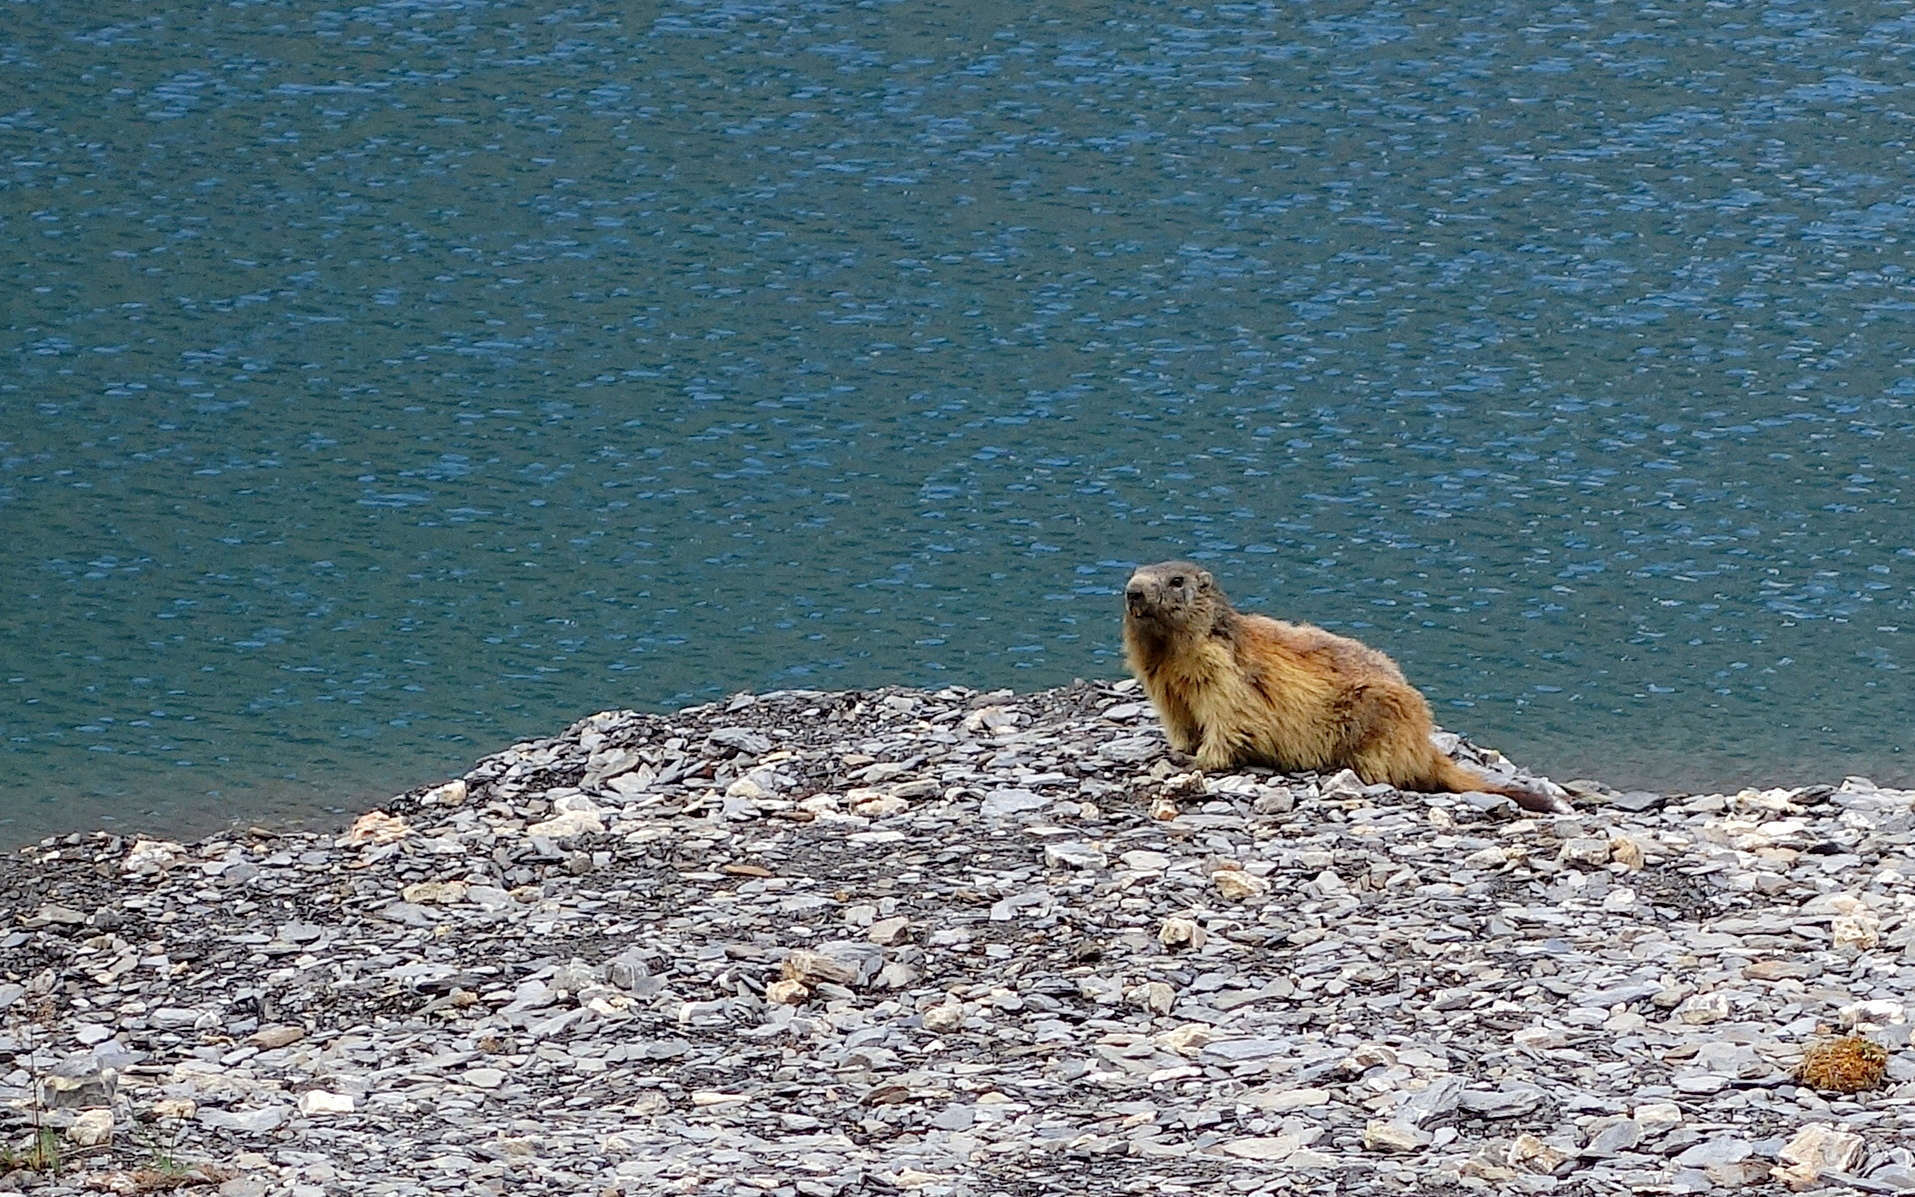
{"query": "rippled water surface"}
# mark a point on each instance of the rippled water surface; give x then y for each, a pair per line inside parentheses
(386, 383)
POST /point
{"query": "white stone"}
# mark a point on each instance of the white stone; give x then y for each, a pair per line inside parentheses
(452, 793)
(748, 788)
(1341, 784)
(1873, 1015)
(1816, 1149)
(1588, 850)
(1188, 1039)
(1237, 885)
(375, 827)
(1626, 852)
(91, 1128)
(787, 992)
(1179, 932)
(881, 806)
(1860, 932)
(947, 1016)
(574, 804)
(423, 893)
(318, 1101)
(912, 1178)
(1531, 1154)
(148, 857)
(1395, 1136)
(1704, 1008)
(566, 825)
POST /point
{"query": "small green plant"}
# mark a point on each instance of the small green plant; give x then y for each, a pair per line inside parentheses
(163, 1172)
(42, 1153)
(160, 1160)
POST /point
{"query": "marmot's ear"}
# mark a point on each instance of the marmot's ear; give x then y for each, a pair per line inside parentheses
(1204, 579)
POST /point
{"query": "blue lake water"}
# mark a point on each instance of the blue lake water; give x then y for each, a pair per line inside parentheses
(384, 384)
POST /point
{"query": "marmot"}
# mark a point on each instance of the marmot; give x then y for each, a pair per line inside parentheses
(1237, 689)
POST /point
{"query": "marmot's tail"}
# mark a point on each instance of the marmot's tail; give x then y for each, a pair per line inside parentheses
(1529, 797)
(1532, 798)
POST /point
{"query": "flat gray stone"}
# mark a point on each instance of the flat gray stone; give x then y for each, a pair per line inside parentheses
(1716, 1151)
(1131, 749)
(1011, 801)
(1635, 801)
(742, 740)
(247, 1122)
(1439, 1097)
(1237, 1051)
(1512, 1100)
(1614, 1139)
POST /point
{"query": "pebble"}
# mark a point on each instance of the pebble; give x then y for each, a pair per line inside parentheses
(1073, 854)
(318, 1101)
(788, 992)
(91, 1128)
(247, 1122)
(1002, 802)
(566, 825)
(1271, 1148)
(1512, 1100)
(1614, 1138)
(1180, 932)
(1395, 1136)
(817, 944)
(78, 1081)
(1237, 886)
(1717, 1150)
(1818, 1149)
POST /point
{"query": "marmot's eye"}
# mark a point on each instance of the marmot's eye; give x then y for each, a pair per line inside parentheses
(1177, 581)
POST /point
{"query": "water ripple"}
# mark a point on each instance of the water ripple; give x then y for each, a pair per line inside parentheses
(387, 383)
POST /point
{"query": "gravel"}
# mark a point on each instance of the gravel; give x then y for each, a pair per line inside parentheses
(962, 943)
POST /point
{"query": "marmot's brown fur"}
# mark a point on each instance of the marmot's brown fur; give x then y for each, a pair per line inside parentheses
(1236, 689)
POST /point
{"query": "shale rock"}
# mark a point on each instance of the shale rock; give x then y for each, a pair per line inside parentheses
(960, 944)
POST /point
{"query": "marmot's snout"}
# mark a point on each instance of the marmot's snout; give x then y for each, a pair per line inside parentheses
(1137, 597)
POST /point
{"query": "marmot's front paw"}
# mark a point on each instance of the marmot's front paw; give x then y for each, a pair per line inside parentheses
(1212, 759)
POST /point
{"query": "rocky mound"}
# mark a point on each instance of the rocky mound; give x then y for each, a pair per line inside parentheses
(961, 943)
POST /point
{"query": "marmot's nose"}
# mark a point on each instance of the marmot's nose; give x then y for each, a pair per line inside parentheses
(1134, 594)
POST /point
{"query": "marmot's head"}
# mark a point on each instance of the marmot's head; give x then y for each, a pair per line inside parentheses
(1172, 596)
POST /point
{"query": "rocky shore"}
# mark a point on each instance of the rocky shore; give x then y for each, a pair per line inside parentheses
(961, 943)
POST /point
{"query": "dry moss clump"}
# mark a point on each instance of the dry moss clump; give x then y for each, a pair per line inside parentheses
(1845, 1064)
